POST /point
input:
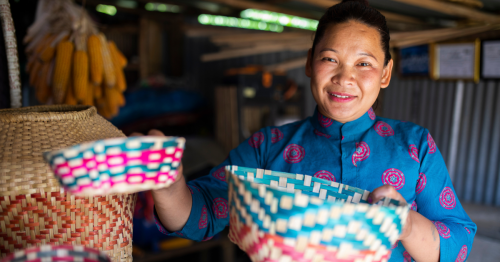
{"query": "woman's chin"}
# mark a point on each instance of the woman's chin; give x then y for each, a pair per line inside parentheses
(343, 114)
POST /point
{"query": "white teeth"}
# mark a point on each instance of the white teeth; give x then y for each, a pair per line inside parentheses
(340, 96)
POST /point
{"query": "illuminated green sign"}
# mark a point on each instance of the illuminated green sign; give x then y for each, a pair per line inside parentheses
(106, 9)
(281, 19)
(219, 20)
(162, 7)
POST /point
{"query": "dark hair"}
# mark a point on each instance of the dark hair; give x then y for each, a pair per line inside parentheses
(359, 11)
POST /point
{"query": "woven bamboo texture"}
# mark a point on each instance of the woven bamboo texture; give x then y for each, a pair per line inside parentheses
(34, 210)
(9, 36)
(47, 253)
(278, 216)
(118, 165)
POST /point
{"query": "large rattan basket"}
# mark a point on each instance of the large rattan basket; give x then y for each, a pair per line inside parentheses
(34, 210)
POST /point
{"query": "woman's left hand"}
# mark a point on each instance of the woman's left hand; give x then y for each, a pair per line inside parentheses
(390, 192)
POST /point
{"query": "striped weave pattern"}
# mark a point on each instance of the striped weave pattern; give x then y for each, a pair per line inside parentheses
(47, 253)
(34, 209)
(277, 216)
(118, 165)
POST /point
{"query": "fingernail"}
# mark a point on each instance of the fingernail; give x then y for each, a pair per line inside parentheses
(370, 200)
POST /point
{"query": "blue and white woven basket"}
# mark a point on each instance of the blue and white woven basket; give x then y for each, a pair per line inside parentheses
(303, 213)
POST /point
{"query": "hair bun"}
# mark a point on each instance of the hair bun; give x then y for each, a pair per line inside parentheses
(364, 2)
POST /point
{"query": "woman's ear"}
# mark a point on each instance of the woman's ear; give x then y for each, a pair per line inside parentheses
(308, 63)
(386, 74)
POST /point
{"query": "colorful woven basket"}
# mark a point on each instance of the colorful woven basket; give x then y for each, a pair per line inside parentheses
(277, 216)
(47, 253)
(34, 210)
(117, 165)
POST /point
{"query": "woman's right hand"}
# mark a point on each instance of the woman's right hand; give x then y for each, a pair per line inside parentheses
(173, 203)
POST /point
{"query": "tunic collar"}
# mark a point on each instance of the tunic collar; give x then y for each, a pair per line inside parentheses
(331, 128)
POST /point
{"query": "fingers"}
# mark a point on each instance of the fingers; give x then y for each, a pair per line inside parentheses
(152, 132)
(155, 132)
(385, 191)
(180, 173)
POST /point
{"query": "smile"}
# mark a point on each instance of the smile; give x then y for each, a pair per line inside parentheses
(340, 97)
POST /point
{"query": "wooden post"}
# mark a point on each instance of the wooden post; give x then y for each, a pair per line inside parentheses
(150, 47)
(175, 39)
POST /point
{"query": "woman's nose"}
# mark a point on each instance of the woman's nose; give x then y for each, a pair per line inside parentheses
(344, 76)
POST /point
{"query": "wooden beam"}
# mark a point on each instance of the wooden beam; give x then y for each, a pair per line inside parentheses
(253, 37)
(393, 17)
(242, 4)
(210, 31)
(432, 36)
(453, 9)
(261, 49)
(388, 15)
(471, 3)
(287, 65)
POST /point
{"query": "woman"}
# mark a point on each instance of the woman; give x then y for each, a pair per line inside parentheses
(344, 141)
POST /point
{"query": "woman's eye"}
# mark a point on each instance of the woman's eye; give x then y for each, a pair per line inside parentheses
(364, 64)
(329, 59)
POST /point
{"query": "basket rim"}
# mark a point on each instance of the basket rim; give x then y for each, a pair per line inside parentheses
(280, 191)
(47, 113)
(181, 141)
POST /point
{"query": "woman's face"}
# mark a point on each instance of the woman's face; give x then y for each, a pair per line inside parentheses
(347, 70)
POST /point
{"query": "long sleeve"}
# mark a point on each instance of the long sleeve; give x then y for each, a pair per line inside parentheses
(210, 210)
(437, 201)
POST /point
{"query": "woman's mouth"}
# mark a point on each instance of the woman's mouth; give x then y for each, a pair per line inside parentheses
(340, 97)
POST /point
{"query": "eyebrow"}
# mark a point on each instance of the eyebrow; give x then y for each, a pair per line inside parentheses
(359, 54)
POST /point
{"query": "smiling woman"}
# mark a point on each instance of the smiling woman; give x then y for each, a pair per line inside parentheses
(349, 61)
(348, 64)
(347, 69)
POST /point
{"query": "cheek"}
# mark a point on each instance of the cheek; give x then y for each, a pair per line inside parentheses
(321, 72)
(369, 80)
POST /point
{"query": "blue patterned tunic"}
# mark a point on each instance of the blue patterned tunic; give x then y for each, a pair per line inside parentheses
(366, 153)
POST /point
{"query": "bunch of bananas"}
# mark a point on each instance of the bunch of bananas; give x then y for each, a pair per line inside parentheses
(70, 62)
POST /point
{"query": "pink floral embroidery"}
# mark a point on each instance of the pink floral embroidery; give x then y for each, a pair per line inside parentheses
(384, 129)
(431, 143)
(407, 256)
(318, 133)
(203, 218)
(323, 174)
(293, 153)
(256, 139)
(362, 152)
(394, 178)
(220, 174)
(466, 229)
(422, 181)
(414, 206)
(190, 187)
(371, 113)
(395, 244)
(220, 207)
(324, 121)
(276, 135)
(447, 198)
(414, 153)
(442, 229)
(462, 255)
